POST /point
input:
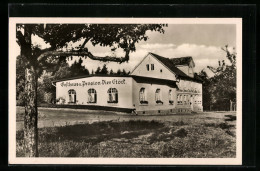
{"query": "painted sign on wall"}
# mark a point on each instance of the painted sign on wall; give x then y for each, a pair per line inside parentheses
(91, 83)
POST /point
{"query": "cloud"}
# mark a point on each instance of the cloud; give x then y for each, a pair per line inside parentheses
(157, 46)
(202, 55)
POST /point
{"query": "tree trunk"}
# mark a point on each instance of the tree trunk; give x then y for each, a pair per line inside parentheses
(31, 114)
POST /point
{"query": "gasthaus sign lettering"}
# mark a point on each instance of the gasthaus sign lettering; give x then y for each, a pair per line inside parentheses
(92, 83)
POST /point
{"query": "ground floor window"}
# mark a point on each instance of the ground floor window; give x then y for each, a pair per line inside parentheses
(112, 95)
(184, 99)
(72, 96)
(158, 97)
(142, 95)
(170, 97)
(92, 95)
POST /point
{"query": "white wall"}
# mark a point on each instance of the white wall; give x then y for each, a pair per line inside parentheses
(150, 92)
(141, 70)
(101, 85)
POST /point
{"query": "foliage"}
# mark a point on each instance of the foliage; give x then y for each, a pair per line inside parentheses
(58, 36)
(220, 89)
(104, 70)
(77, 69)
(111, 72)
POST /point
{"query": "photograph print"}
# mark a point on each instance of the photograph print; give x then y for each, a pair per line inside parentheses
(125, 91)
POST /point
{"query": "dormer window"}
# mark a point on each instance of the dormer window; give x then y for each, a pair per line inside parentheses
(147, 67)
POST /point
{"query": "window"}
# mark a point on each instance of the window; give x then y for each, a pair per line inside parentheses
(179, 99)
(158, 96)
(142, 96)
(152, 66)
(160, 70)
(170, 97)
(112, 95)
(147, 67)
(184, 98)
(92, 96)
(72, 96)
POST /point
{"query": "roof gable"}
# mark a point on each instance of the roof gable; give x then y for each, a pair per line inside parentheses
(167, 62)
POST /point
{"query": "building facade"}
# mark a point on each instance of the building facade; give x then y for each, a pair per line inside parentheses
(157, 85)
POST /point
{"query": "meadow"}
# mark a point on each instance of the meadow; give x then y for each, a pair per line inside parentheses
(205, 135)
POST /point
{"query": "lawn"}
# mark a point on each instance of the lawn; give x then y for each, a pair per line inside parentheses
(205, 135)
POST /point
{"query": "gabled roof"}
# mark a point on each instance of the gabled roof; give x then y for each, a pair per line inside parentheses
(168, 63)
(182, 60)
(171, 66)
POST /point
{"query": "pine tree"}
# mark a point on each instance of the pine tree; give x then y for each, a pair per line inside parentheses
(98, 70)
(111, 72)
(104, 70)
(118, 72)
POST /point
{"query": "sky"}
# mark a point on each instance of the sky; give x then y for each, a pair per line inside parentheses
(201, 41)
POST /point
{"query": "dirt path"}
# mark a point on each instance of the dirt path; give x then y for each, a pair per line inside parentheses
(51, 117)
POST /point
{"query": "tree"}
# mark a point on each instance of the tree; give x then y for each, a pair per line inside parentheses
(20, 80)
(104, 70)
(58, 36)
(98, 70)
(118, 72)
(111, 72)
(77, 69)
(123, 72)
(220, 89)
(63, 71)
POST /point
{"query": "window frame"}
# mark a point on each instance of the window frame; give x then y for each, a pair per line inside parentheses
(73, 93)
(171, 101)
(95, 95)
(147, 67)
(152, 67)
(158, 96)
(111, 92)
(143, 96)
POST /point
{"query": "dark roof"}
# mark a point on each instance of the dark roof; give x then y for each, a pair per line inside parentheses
(181, 60)
(86, 76)
(150, 80)
(167, 62)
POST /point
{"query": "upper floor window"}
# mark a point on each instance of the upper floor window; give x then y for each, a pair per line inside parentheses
(72, 96)
(112, 95)
(147, 67)
(170, 97)
(92, 96)
(142, 94)
(158, 97)
(152, 66)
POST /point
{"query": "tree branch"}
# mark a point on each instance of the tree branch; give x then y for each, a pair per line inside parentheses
(85, 53)
(84, 43)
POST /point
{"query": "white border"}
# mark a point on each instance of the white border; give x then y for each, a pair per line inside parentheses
(120, 161)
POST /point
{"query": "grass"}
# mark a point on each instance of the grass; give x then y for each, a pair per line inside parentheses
(183, 138)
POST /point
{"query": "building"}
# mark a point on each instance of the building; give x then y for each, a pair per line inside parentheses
(156, 85)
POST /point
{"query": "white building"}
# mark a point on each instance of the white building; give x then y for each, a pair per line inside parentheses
(156, 85)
